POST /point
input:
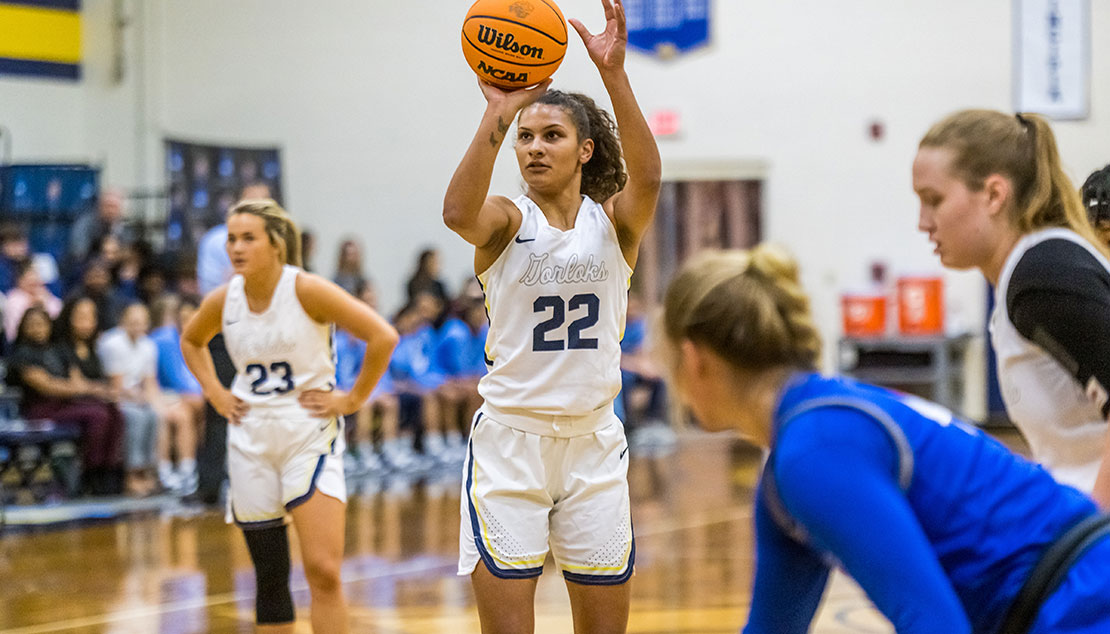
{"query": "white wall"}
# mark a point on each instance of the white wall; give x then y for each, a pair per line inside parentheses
(373, 106)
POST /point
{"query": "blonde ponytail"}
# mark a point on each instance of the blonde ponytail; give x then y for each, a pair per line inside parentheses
(280, 228)
(748, 306)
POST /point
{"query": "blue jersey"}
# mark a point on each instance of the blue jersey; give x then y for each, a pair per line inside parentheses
(173, 374)
(460, 353)
(349, 353)
(412, 362)
(937, 522)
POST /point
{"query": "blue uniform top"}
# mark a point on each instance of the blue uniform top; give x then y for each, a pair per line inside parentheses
(173, 374)
(349, 352)
(412, 363)
(938, 523)
(460, 353)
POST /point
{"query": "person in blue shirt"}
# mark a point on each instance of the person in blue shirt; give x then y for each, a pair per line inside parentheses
(382, 406)
(183, 406)
(416, 380)
(459, 355)
(942, 527)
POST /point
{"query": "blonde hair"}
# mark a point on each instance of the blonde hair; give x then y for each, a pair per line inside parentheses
(1022, 148)
(748, 306)
(281, 229)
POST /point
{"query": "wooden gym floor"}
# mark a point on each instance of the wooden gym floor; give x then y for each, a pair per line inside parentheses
(190, 574)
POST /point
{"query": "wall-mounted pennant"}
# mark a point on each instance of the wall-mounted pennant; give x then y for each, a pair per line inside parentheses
(667, 27)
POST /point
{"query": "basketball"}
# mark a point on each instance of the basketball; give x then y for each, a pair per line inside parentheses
(514, 43)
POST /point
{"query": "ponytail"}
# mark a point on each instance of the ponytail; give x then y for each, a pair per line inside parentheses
(280, 228)
(748, 306)
(1023, 149)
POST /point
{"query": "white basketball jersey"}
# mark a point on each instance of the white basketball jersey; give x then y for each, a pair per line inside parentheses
(279, 352)
(1062, 424)
(556, 302)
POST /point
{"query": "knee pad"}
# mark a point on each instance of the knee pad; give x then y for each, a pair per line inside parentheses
(269, 548)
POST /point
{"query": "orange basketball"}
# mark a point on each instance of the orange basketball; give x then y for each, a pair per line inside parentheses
(514, 43)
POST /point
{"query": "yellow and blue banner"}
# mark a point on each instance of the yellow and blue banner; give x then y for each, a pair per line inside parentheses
(40, 38)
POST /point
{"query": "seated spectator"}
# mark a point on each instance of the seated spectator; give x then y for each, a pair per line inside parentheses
(14, 250)
(643, 390)
(348, 270)
(183, 400)
(381, 407)
(29, 291)
(96, 284)
(91, 227)
(131, 360)
(460, 357)
(416, 381)
(425, 279)
(54, 389)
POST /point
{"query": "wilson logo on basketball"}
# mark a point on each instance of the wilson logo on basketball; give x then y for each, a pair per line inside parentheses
(520, 9)
(502, 75)
(507, 42)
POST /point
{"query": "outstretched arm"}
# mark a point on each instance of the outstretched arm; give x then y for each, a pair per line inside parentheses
(634, 207)
(480, 220)
(835, 472)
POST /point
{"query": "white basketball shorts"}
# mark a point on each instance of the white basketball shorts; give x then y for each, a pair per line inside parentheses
(274, 464)
(525, 493)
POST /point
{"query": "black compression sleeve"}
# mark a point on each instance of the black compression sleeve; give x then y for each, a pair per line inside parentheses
(1059, 298)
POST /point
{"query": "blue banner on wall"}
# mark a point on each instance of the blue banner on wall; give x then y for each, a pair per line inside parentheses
(667, 27)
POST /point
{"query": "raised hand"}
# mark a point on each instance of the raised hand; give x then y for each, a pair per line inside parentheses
(513, 100)
(606, 48)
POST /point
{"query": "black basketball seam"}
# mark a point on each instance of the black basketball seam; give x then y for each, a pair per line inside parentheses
(527, 26)
(509, 61)
(559, 14)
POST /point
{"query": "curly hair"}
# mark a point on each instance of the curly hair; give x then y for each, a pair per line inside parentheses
(604, 174)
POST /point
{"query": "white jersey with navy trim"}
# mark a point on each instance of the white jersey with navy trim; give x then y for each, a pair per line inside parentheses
(279, 352)
(1062, 424)
(556, 302)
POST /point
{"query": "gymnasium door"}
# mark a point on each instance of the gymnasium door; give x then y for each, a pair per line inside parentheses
(694, 215)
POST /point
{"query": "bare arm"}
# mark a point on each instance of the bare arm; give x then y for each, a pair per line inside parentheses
(195, 336)
(44, 383)
(634, 207)
(482, 220)
(326, 302)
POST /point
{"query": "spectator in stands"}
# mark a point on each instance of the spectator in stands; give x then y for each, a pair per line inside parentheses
(29, 291)
(381, 407)
(643, 390)
(425, 279)
(94, 225)
(96, 284)
(308, 250)
(131, 360)
(14, 250)
(53, 389)
(348, 270)
(460, 357)
(183, 400)
(214, 269)
(415, 378)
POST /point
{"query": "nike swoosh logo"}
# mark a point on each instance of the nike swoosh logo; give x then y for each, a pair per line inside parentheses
(519, 241)
(623, 452)
(231, 323)
(326, 425)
